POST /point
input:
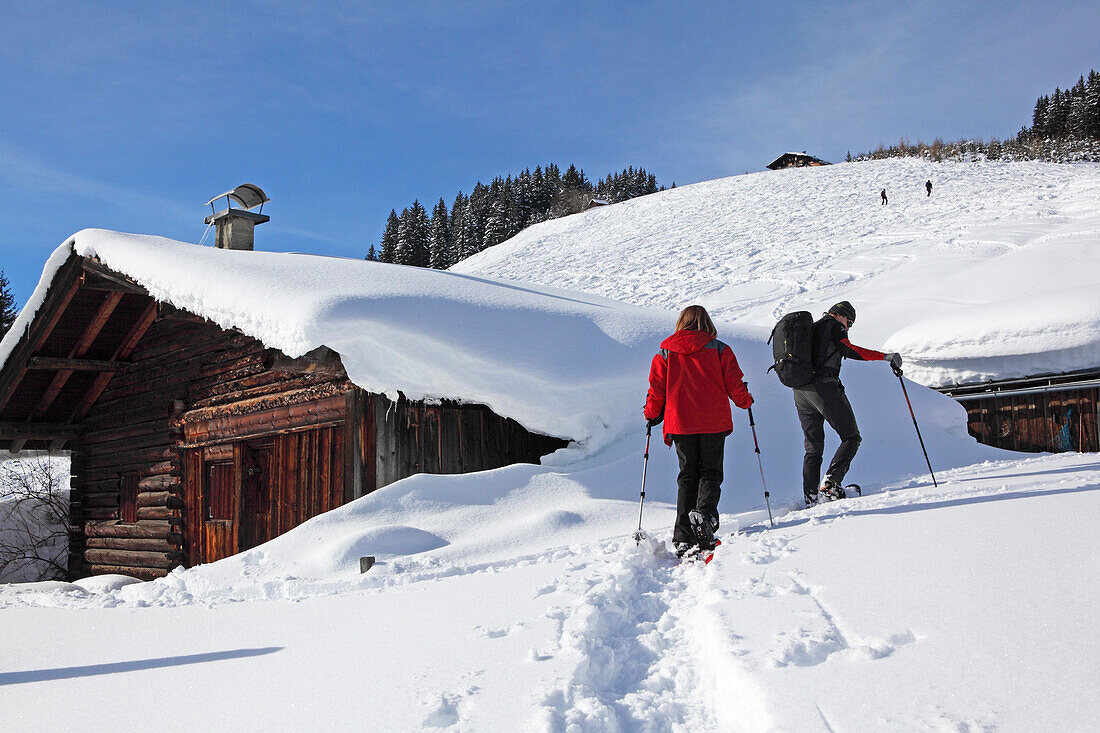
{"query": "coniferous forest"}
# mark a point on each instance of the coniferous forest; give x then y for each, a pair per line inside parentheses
(1065, 128)
(493, 213)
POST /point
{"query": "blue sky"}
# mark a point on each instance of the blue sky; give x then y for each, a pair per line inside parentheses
(130, 115)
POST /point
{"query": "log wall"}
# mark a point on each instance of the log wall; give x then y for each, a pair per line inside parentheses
(133, 433)
(1054, 422)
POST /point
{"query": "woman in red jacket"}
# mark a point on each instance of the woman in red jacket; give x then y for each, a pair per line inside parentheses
(691, 380)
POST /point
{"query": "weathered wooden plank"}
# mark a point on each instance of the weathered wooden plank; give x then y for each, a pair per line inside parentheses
(160, 483)
(160, 498)
(134, 572)
(431, 457)
(260, 385)
(38, 431)
(128, 429)
(50, 363)
(141, 530)
(133, 558)
(101, 500)
(108, 275)
(352, 483)
(132, 543)
(450, 433)
(473, 453)
(337, 483)
(191, 465)
(203, 426)
(157, 512)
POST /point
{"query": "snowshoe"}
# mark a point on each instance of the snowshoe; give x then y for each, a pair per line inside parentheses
(703, 528)
(831, 491)
(695, 553)
(853, 487)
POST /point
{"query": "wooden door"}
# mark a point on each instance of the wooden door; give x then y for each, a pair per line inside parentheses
(219, 511)
(257, 493)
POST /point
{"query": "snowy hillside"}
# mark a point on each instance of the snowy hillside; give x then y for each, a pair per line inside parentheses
(995, 275)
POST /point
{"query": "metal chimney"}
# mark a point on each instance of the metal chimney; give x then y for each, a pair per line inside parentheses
(234, 227)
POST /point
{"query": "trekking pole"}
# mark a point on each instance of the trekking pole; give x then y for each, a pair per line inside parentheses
(760, 462)
(639, 535)
(897, 373)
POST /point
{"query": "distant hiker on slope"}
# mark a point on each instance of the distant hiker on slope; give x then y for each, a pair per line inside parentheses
(883, 194)
(823, 399)
(691, 380)
(928, 186)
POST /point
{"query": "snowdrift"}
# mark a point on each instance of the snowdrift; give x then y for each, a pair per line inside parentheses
(994, 275)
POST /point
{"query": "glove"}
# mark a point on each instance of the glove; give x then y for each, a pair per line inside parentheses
(654, 421)
(895, 363)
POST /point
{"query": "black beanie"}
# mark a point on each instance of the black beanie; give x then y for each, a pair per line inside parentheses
(844, 308)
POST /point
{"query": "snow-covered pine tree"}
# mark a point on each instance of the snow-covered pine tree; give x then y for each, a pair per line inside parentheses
(477, 210)
(440, 238)
(496, 223)
(389, 239)
(1092, 105)
(8, 309)
(457, 242)
(417, 236)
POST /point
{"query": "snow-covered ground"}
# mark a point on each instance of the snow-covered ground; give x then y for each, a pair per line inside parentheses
(514, 599)
(996, 274)
(964, 607)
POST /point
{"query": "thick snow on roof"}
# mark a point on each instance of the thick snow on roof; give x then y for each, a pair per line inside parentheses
(994, 275)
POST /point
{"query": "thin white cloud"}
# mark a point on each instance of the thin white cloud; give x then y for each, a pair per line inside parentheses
(26, 171)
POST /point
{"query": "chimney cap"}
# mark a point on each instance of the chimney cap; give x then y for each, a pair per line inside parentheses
(246, 196)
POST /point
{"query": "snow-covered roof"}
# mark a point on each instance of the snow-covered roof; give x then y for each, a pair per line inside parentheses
(528, 352)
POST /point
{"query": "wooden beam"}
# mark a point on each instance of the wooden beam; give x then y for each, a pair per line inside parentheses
(16, 446)
(128, 344)
(61, 293)
(106, 308)
(102, 315)
(37, 431)
(95, 282)
(103, 273)
(74, 365)
(172, 313)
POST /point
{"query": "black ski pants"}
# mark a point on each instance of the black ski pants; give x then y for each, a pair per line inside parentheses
(700, 480)
(817, 403)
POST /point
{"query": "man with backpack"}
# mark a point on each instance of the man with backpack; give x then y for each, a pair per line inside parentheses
(818, 394)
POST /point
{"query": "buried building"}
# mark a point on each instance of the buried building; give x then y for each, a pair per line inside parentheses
(193, 435)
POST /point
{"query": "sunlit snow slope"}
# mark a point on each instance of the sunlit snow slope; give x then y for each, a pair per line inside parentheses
(994, 275)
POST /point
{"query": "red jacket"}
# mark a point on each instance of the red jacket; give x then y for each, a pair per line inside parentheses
(691, 380)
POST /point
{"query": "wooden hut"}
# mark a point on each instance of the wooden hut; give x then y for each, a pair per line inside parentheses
(1050, 413)
(191, 442)
(795, 160)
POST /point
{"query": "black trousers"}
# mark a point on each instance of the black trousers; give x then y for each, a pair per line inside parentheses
(700, 479)
(817, 403)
